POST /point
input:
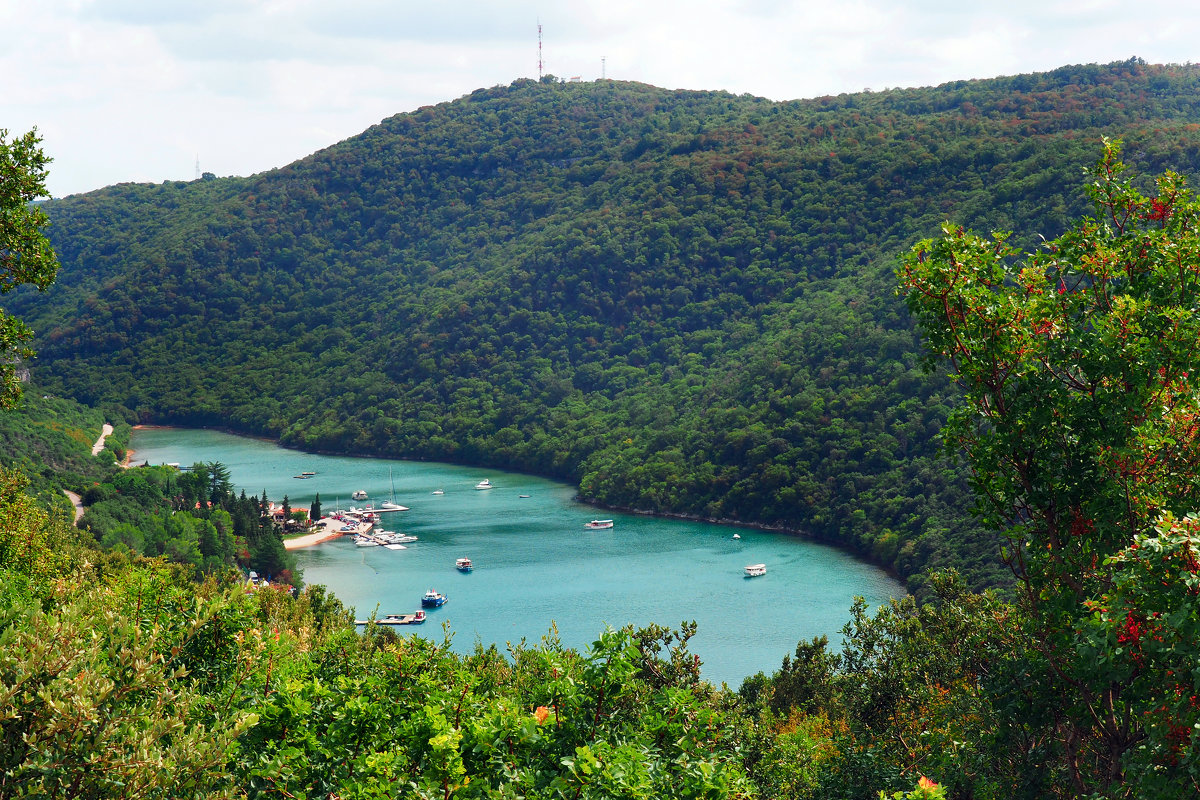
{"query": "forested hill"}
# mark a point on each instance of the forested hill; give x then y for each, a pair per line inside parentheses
(681, 300)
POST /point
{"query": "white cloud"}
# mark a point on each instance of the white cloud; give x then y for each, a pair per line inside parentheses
(134, 89)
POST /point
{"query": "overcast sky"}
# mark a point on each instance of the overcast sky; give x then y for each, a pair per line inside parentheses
(137, 90)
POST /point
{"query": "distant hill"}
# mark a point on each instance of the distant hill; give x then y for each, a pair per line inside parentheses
(682, 301)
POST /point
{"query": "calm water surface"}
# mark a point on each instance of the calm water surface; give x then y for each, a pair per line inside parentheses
(535, 563)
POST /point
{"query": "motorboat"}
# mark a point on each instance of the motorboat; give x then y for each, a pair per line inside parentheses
(362, 540)
(437, 491)
(522, 496)
(359, 495)
(463, 565)
(737, 536)
(433, 599)
(755, 570)
(390, 537)
(397, 619)
(484, 484)
(599, 524)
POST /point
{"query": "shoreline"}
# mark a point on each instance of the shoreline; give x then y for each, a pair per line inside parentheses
(759, 526)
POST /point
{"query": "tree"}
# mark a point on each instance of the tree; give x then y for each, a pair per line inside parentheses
(25, 255)
(314, 510)
(1080, 368)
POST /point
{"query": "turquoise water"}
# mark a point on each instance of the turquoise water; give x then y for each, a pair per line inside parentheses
(537, 566)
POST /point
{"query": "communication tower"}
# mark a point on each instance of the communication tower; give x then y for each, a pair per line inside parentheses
(539, 50)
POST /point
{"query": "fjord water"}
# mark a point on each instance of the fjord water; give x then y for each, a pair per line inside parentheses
(537, 566)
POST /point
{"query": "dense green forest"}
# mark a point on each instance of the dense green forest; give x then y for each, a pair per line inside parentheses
(136, 660)
(682, 301)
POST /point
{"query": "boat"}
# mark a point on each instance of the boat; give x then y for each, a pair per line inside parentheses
(438, 491)
(463, 565)
(392, 505)
(309, 473)
(484, 484)
(755, 570)
(599, 524)
(391, 537)
(522, 496)
(359, 495)
(397, 619)
(362, 540)
(433, 599)
(737, 536)
(302, 477)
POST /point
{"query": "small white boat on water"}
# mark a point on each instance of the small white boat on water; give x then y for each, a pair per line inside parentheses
(359, 495)
(396, 619)
(363, 540)
(484, 484)
(737, 536)
(388, 505)
(438, 491)
(598, 524)
(755, 570)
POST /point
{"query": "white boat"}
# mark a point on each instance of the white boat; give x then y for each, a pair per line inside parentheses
(599, 524)
(737, 536)
(438, 491)
(463, 565)
(484, 484)
(362, 540)
(359, 495)
(396, 619)
(755, 570)
(390, 537)
(392, 505)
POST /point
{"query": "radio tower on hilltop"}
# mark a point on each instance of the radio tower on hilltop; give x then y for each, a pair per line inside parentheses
(539, 50)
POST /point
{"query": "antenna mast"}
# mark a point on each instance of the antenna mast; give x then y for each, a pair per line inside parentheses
(539, 50)
(603, 67)
(197, 166)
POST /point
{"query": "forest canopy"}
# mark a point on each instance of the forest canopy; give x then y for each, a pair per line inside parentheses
(681, 301)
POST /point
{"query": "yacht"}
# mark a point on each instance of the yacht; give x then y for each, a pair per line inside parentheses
(599, 524)
(433, 599)
(484, 484)
(463, 565)
(755, 570)
(359, 495)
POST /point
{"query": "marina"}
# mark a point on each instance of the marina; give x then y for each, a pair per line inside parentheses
(536, 565)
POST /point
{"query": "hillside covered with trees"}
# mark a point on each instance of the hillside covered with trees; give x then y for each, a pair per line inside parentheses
(682, 301)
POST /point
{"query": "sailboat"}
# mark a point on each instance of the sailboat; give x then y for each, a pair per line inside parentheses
(392, 505)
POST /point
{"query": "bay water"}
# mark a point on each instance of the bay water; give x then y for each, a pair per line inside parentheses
(537, 567)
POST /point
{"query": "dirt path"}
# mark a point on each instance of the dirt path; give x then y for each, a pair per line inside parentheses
(106, 431)
(77, 501)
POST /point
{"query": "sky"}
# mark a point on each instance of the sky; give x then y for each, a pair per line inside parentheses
(144, 90)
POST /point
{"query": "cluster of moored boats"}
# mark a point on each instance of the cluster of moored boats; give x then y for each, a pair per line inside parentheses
(389, 540)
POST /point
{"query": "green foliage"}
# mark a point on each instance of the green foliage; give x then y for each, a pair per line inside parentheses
(680, 300)
(1079, 365)
(25, 255)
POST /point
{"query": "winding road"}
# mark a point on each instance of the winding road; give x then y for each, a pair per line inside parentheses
(75, 499)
